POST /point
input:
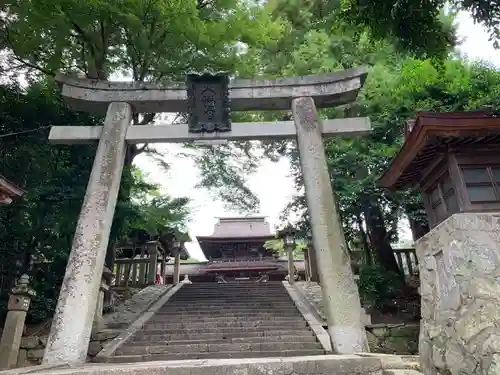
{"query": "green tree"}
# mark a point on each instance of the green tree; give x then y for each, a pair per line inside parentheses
(149, 41)
(398, 86)
(277, 246)
(39, 226)
(418, 24)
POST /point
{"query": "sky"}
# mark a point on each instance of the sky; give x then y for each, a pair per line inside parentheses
(272, 182)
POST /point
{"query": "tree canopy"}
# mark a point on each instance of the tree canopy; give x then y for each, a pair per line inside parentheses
(407, 46)
(37, 229)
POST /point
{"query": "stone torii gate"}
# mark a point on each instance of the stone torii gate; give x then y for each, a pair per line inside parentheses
(72, 323)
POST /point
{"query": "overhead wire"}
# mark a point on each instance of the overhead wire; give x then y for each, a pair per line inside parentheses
(25, 131)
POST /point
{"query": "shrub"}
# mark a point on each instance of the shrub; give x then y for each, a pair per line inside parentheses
(376, 284)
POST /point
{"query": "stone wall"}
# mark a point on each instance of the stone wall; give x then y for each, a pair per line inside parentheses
(33, 347)
(460, 289)
(399, 339)
(383, 338)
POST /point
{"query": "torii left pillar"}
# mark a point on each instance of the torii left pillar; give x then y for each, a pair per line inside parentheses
(72, 323)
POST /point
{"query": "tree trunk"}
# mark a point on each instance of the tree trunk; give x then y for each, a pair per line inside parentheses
(379, 238)
(418, 228)
(364, 241)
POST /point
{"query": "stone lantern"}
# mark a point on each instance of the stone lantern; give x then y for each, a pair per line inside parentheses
(19, 303)
(8, 191)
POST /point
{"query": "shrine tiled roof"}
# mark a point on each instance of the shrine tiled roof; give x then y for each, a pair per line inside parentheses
(8, 191)
(434, 133)
(241, 227)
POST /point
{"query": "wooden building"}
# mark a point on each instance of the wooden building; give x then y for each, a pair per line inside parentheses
(453, 159)
(8, 191)
(236, 252)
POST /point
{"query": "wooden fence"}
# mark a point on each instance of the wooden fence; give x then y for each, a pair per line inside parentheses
(407, 261)
(135, 273)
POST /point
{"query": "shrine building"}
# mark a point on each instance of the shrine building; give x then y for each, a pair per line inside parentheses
(235, 252)
(453, 159)
(8, 191)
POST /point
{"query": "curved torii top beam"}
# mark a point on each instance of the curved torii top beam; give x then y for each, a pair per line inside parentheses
(246, 95)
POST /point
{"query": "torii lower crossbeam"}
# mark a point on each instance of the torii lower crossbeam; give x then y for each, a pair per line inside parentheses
(180, 133)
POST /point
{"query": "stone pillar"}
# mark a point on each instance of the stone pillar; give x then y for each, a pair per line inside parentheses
(177, 263)
(313, 265)
(19, 303)
(152, 247)
(340, 293)
(306, 264)
(459, 264)
(291, 274)
(72, 324)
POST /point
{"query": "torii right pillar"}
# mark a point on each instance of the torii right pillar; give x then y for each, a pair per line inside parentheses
(340, 294)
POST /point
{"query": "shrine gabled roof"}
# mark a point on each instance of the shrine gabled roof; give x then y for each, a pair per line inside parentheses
(434, 133)
(240, 228)
(9, 190)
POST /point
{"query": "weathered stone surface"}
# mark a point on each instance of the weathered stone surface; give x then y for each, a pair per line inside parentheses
(130, 310)
(30, 342)
(313, 294)
(72, 323)
(106, 334)
(329, 90)
(364, 364)
(94, 348)
(35, 354)
(125, 313)
(340, 293)
(460, 288)
(67, 134)
(155, 337)
(393, 338)
(22, 358)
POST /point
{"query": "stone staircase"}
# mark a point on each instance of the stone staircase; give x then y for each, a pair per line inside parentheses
(234, 320)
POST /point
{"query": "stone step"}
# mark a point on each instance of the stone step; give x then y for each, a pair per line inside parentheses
(236, 299)
(234, 313)
(229, 318)
(211, 355)
(235, 324)
(218, 348)
(162, 336)
(244, 314)
(218, 330)
(236, 340)
(213, 286)
(217, 302)
(225, 306)
(228, 310)
(230, 291)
